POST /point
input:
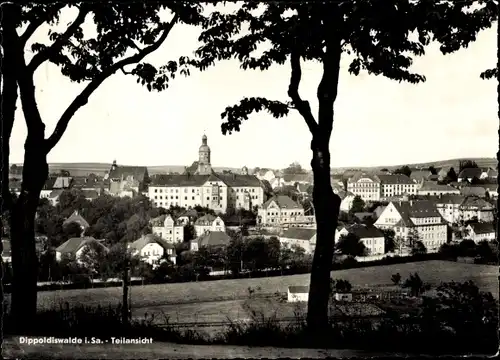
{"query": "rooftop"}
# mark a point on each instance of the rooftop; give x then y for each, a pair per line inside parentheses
(299, 233)
(283, 202)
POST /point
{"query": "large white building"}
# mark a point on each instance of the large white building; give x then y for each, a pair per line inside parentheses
(396, 185)
(367, 186)
(206, 188)
(422, 216)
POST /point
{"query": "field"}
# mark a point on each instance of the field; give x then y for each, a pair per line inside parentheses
(150, 296)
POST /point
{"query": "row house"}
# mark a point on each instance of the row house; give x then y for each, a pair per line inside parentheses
(126, 180)
(370, 236)
(396, 185)
(433, 188)
(166, 228)
(214, 191)
(367, 186)
(422, 216)
(279, 210)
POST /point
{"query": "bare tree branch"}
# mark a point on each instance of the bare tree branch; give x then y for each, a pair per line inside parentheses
(83, 97)
(44, 55)
(302, 106)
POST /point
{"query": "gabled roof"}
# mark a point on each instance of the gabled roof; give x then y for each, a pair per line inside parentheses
(62, 182)
(214, 238)
(179, 180)
(470, 173)
(298, 289)
(74, 244)
(473, 191)
(283, 202)
(364, 231)
(76, 218)
(55, 193)
(49, 183)
(206, 219)
(298, 178)
(119, 171)
(90, 194)
(190, 213)
(482, 228)
(432, 186)
(299, 233)
(492, 173)
(394, 179)
(302, 187)
(342, 193)
(237, 180)
(416, 209)
(362, 215)
(360, 175)
(139, 244)
(447, 199)
(419, 175)
(475, 202)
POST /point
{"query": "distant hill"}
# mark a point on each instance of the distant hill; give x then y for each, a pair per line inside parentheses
(83, 169)
(481, 162)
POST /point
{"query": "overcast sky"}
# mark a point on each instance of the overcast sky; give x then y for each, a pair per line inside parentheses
(377, 121)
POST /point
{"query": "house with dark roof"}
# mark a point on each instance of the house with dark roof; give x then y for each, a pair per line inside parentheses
(301, 237)
(420, 216)
(212, 238)
(490, 174)
(481, 231)
(478, 191)
(48, 187)
(433, 188)
(346, 198)
(209, 223)
(491, 190)
(370, 236)
(126, 180)
(420, 175)
(468, 174)
(78, 219)
(75, 247)
(279, 210)
(474, 207)
(168, 229)
(54, 196)
(448, 206)
(151, 249)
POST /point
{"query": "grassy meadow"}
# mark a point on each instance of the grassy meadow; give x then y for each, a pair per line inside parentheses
(147, 296)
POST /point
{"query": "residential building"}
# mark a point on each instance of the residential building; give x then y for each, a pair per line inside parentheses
(362, 216)
(370, 236)
(304, 238)
(491, 174)
(126, 180)
(292, 179)
(481, 231)
(151, 249)
(265, 174)
(277, 182)
(479, 191)
(491, 190)
(420, 175)
(279, 210)
(422, 216)
(77, 246)
(396, 185)
(347, 199)
(47, 187)
(167, 229)
(432, 188)
(443, 172)
(298, 294)
(212, 238)
(62, 182)
(474, 207)
(469, 174)
(367, 186)
(78, 219)
(448, 206)
(54, 196)
(378, 211)
(206, 188)
(209, 223)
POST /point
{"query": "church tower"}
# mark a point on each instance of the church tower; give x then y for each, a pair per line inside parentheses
(204, 166)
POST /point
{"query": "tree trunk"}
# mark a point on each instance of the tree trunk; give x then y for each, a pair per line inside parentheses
(24, 257)
(327, 208)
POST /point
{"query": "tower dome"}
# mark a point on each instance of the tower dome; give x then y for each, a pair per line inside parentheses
(204, 146)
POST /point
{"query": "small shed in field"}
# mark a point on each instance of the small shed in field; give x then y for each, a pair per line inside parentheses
(298, 293)
(342, 297)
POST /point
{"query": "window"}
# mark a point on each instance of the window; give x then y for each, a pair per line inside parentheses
(185, 197)
(192, 190)
(192, 197)
(156, 190)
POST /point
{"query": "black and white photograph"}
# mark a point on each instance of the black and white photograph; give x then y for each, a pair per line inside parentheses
(249, 179)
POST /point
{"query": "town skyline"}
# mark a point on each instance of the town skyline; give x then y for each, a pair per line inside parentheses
(377, 121)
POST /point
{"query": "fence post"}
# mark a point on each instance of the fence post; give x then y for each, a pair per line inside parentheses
(125, 285)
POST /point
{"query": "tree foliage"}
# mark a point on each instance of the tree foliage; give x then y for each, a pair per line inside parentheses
(351, 245)
(358, 205)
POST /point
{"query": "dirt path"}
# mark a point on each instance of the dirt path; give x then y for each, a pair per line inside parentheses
(13, 349)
